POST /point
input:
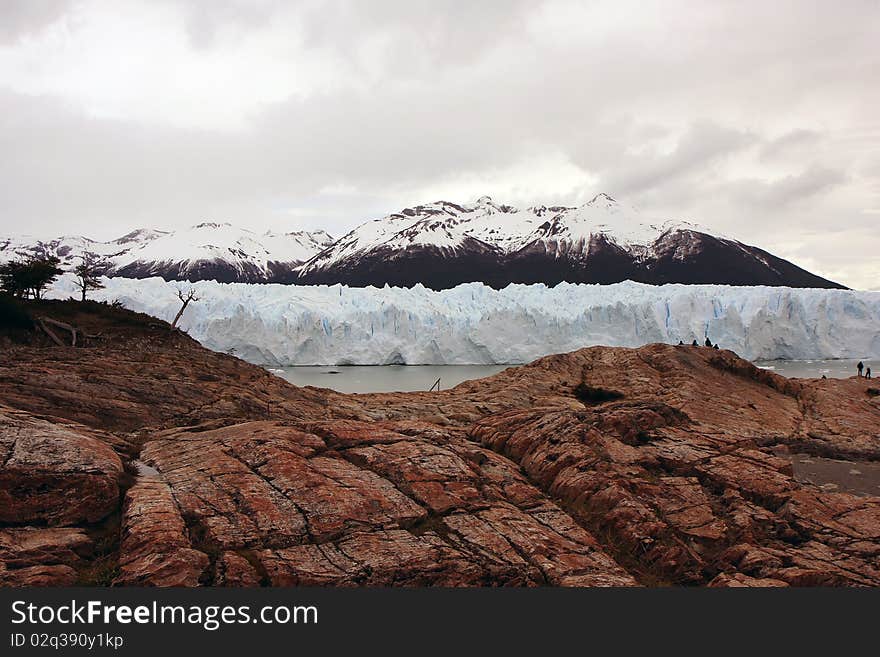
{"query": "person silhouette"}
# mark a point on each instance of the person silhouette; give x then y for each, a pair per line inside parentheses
(694, 343)
(680, 343)
(708, 341)
(860, 367)
(868, 373)
(716, 346)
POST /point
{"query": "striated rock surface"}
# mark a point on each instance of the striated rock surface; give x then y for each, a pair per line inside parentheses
(155, 549)
(54, 473)
(357, 503)
(32, 556)
(602, 467)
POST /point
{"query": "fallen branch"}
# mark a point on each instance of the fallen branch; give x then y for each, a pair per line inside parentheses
(62, 325)
(50, 333)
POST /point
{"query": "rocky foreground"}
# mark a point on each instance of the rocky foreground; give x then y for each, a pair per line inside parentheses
(140, 458)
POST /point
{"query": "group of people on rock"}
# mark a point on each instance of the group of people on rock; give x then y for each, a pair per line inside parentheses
(860, 367)
(697, 344)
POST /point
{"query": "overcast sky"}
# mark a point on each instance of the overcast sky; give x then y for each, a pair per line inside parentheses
(758, 119)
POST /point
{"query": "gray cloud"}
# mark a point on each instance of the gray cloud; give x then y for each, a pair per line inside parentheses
(797, 143)
(700, 147)
(20, 18)
(800, 188)
(203, 18)
(758, 121)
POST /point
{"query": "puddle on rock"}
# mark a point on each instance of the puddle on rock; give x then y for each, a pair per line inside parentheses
(857, 477)
(145, 470)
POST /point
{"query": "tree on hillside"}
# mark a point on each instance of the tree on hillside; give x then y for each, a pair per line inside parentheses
(89, 271)
(29, 277)
(185, 300)
(12, 278)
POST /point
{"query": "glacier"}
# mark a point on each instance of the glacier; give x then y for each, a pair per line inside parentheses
(285, 325)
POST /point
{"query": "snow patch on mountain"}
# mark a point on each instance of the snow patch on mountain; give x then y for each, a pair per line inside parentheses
(146, 251)
(69, 248)
(222, 242)
(444, 244)
(475, 324)
(447, 226)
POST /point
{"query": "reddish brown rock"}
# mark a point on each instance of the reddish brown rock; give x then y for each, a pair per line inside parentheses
(54, 473)
(155, 549)
(610, 467)
(738, 580)
(139, 373)
(534, 476)
(58, 575)
(21, 547)
(840, 419)
(32, 556)
(235, 570)
(378, 507)
(379, 558)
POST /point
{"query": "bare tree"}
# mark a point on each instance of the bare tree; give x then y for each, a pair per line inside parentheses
(185, 300)
(89, 272)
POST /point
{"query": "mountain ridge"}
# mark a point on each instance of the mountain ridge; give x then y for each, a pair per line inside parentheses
(443, 244)
(603, 241)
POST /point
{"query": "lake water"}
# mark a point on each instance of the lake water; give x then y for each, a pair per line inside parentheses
(805, 369)
(408, 378)
(385, 378)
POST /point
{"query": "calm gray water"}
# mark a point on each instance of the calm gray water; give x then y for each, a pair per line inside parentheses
(385, 378)
(407, 378)
(803, 369)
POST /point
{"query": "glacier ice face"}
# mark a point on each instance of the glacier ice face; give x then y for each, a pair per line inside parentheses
(474, 324)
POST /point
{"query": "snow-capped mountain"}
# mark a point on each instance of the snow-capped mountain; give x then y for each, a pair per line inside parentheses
(603, 241)
(70, 248)
(443, 244)
(207, 251)
(222, 252)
